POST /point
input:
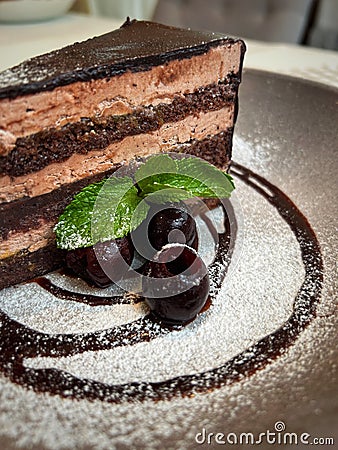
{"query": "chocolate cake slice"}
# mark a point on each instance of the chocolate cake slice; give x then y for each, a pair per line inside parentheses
(75, 115)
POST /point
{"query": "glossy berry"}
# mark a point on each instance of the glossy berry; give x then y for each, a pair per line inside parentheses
(175, 284)
(165, 223)
(84, 261)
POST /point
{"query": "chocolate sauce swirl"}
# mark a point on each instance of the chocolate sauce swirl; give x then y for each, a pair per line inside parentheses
(19, 341)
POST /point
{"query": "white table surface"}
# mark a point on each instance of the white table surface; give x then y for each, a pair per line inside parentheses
(22, 41)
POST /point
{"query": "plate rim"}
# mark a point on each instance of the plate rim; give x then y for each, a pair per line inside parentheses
(286, 77)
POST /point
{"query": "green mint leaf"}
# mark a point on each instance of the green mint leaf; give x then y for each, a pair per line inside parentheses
(193, 176)
(101, 211)
(155, 165)
(215, 179)
(118, 210)
(73, 229)
(112, 208)
(167, 194)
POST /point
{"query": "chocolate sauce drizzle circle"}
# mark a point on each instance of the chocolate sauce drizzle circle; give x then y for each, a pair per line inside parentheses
(19, 342)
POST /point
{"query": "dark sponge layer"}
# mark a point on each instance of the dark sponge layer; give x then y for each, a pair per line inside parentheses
(27, 265)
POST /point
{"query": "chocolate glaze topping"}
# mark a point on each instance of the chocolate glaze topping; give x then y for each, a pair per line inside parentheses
(18, 341)
(136, 46)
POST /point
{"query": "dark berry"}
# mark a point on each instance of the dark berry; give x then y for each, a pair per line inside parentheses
(170, 221)
(166, 223)
(76, 261)
(87, 263)
(175, 284)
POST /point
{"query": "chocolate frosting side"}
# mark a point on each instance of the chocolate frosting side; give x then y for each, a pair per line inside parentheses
(136, 46)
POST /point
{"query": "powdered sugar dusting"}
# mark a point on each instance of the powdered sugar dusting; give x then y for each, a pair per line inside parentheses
(256, 298)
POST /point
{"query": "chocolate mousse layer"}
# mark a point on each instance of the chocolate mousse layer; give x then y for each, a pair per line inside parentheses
(73, 116)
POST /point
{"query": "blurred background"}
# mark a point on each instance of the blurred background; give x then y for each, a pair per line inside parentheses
(307, 22)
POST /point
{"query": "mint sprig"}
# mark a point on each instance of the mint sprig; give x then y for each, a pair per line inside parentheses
(194, 176)
(99, 212)
(113, 208)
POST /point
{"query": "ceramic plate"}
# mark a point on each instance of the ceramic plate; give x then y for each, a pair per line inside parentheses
(257, 365)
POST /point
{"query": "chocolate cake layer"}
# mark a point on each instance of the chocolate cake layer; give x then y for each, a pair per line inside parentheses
(34, 152)
(79, 166)
(26, 214)
(114, 96)
(73, 116)
(26, 265)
